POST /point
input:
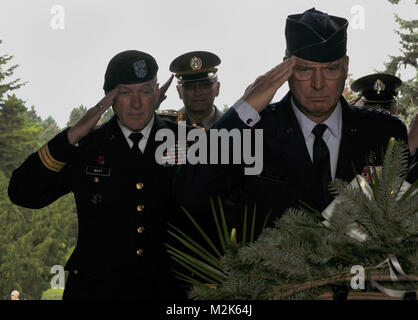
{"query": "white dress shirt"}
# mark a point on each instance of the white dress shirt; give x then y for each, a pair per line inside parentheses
(145, 132)
(331, 136)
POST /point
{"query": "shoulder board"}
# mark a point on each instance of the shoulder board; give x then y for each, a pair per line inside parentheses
(381, 111)
(167, 113)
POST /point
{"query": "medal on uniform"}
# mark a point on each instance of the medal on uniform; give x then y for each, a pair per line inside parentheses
(369, 173)
(100, 160)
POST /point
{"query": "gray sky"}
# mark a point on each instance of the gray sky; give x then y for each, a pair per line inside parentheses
(65, 67)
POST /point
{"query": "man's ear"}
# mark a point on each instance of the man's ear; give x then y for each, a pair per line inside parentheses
(346, 63)
(218, 85)
(157, 89)
(180, 92)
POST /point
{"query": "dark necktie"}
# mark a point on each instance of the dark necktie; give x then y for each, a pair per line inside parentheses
(136, 137)
(321, 161)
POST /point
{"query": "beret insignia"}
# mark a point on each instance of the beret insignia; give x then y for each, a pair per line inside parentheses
(140, 68)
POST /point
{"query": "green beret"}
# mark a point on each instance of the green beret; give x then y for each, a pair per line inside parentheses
(129, 67)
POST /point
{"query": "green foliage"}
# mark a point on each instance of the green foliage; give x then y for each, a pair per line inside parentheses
(348, 94)
(301, 256)
(5, 73)
(18, 133)
(408, 93)
(76, 114)
(31, 241)
(52, 294)
(106, 116)
(50, 130)
(205, 266)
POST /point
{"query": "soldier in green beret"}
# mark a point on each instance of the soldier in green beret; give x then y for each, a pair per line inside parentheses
(123, 195)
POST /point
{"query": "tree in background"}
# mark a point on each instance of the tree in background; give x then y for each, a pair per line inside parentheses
(18, 133)
(50, 130)
(408, 93)
(349, 94)
(106, 116)
(31, 241)
(6, 72)
(76, 114)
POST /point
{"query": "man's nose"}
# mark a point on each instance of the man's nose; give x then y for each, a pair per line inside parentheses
(318, 80)
(197, 91)
(135, 101)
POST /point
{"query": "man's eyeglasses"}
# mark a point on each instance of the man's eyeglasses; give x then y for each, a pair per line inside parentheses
(190, 85)
(330, 72)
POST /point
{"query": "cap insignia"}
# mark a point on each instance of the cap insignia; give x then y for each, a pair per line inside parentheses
(379, 86)
(196, 63)
(140, 68)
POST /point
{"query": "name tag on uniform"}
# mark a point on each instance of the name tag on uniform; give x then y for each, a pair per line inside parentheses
(99, 171)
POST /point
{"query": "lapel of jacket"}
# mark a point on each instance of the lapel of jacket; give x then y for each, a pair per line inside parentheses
(158, 124)
(289, 137)
(351, 153)
(115, 139)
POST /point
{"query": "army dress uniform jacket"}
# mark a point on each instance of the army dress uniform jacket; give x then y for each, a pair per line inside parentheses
(207, 123)
(123, 203)
(287, 177)
(181, 115)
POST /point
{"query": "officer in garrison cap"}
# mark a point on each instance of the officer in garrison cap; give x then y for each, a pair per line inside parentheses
(197, 86)
(123, 195)
(377, 90)
(311, 137)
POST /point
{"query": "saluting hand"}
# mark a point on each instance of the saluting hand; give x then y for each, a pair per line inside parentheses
(163, 90)
(83, 127)
(262, 90)
(413, 134)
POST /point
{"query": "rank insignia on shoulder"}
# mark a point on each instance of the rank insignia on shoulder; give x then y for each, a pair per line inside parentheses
(167, 113)
(197, 126)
